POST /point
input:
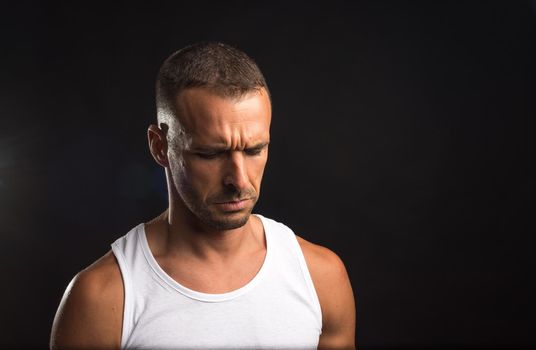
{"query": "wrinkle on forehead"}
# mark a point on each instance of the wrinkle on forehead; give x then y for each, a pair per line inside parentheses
(208, 119)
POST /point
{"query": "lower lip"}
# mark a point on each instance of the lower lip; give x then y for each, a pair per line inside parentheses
(233, 206)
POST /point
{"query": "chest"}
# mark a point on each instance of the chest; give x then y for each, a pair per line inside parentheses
(262, 319)
(214, 278)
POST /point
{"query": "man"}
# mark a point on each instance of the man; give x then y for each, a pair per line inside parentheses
(206, 273)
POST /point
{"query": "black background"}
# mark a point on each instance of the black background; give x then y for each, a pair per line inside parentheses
(402, 139)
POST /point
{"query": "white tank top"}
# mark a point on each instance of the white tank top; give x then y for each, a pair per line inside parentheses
(277, 309)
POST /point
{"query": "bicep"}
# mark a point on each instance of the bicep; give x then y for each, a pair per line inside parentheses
(89, 315)
(338, 326)
(335, 295)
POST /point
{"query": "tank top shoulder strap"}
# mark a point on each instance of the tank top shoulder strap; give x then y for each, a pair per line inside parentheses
(289, 253)
(127, 251)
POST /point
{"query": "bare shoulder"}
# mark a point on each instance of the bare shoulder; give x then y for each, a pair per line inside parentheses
(335, 294)
(105, 271)
(91, 310)
(321, 261)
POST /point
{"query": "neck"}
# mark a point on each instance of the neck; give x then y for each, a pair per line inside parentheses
(188, 236)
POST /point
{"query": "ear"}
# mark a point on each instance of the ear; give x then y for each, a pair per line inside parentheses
(158, 143)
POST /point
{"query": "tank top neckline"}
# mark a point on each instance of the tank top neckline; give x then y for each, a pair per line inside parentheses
(200, 296)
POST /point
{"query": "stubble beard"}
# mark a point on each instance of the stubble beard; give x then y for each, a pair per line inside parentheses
(210, 216)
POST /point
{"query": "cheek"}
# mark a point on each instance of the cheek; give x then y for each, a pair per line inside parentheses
(201, 175)
(187, 175)
(256, 170)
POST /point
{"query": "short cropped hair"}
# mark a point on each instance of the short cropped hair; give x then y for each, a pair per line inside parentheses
(221, 68)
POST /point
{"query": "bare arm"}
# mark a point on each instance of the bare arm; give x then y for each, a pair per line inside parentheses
(90, 314)
(335, 294)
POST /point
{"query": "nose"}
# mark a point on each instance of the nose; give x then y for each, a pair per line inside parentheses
(235, 175)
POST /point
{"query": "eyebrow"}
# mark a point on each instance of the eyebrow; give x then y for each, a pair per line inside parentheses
(218, 148)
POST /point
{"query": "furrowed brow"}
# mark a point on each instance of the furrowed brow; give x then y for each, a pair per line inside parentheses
(222, 148)
(259, 145)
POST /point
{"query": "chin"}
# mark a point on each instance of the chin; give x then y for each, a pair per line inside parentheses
(228, 221)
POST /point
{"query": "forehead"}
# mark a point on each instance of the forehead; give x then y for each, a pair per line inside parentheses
(208, 117)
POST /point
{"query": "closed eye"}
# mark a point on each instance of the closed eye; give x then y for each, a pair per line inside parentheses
(253, 151)
(207, 155)
(215, 153)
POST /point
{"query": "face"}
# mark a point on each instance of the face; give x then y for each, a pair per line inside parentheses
(217, 153)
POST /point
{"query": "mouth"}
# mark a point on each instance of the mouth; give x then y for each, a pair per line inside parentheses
(233, 205)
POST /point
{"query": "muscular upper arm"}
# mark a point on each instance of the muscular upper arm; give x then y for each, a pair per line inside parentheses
(335, 294)
(90, 314)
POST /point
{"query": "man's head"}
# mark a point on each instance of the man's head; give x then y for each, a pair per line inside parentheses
(214, 113)
(226, 71)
